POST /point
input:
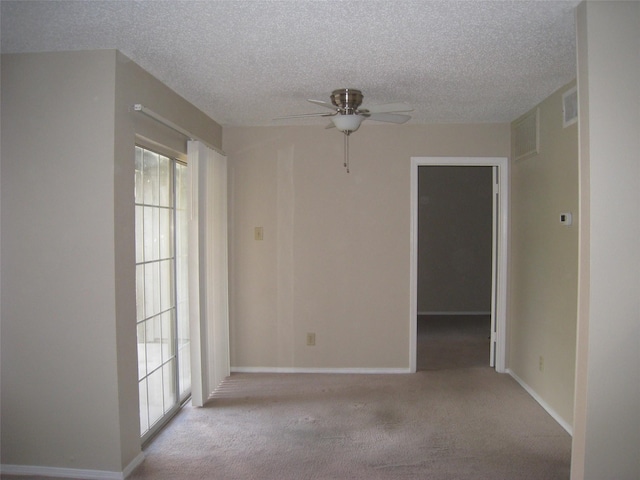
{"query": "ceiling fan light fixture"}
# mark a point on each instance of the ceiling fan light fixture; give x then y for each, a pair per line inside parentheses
(347, 123)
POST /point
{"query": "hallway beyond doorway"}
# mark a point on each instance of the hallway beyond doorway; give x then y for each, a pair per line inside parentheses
(453, 341)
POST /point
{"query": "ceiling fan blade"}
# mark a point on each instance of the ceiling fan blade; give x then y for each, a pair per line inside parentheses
(388, 108)
(331, 125)
(322, 104)
(389, 117)
(306, 115)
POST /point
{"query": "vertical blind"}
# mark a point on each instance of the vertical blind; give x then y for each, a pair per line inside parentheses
(208, 270)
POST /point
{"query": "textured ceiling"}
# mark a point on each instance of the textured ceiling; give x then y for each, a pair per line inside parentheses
(244, 62)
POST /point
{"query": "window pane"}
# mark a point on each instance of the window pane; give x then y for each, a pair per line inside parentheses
(151, 233)
(139, 234)
(150, 176)
(142, 352)
(181, 208)
(166, 284)
(153, 336)
(181, 186)
(168, 336)
(165, 228)
(182, 283)
(144, 410)
(169, 385)
(165, 182)
(139, 197)
(182, 233)
(151, 289)
(156, 396)
(140, 293)
(184, 345)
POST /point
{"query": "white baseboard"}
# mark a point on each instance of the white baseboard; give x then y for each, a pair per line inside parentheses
(55, 472)
(133, 464)
(561, 421)
(455, 313)
(369, 371)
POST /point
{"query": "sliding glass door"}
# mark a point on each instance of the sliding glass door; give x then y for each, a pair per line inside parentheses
(164, 373)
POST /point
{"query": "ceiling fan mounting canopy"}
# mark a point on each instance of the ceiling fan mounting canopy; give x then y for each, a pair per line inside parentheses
(347, 100)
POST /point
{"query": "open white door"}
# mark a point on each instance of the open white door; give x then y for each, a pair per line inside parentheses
(494, 265)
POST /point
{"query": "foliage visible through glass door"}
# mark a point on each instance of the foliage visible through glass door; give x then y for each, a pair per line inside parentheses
(164, 372)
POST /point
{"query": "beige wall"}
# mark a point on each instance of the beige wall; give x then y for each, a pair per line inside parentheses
(607, 424)
(543, 262)
(335, 256)
(69, 380)
(58, 312)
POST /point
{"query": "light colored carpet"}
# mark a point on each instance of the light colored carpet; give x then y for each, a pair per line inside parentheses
(455, 419)
(447, 424)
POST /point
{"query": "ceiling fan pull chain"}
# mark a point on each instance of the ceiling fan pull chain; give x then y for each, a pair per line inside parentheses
(346, 151)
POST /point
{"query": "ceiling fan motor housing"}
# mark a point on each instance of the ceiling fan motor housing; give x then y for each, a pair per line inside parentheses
(347, 100)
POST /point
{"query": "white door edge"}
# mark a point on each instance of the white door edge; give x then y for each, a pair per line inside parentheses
(495, 199)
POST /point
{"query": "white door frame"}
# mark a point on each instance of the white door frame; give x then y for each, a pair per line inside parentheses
(502, 243)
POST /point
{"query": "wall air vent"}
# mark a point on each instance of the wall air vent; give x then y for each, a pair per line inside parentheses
(526, 135)
(570, 107)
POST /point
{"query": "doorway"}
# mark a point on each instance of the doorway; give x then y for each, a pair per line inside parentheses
(491, 307)
(455, 254)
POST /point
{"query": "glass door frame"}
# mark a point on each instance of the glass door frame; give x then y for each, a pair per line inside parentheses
(153, 424)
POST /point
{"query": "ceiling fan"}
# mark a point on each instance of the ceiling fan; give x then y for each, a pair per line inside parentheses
(348, 115)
